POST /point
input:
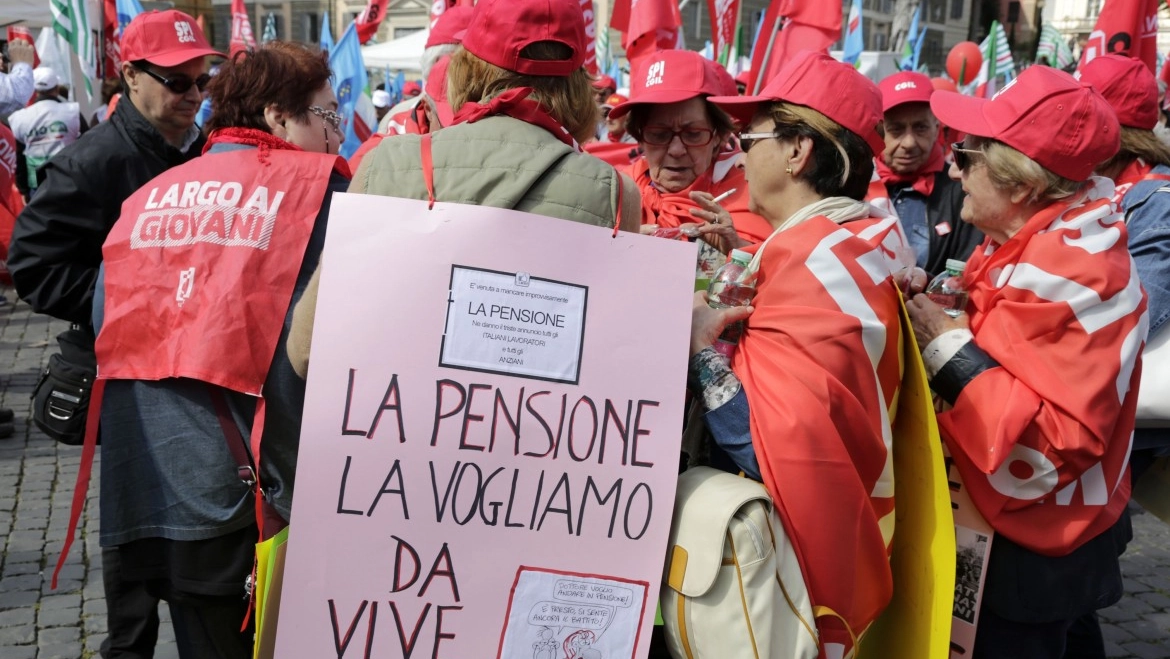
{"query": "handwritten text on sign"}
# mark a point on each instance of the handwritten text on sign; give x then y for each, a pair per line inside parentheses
(454, 497)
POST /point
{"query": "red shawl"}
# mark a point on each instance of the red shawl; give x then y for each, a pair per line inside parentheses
(820, 364)
(1042, 442)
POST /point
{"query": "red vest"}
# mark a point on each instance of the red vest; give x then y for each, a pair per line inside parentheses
(200, 267)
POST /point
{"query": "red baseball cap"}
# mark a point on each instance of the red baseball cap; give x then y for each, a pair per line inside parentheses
(449, 26)
(501, 29)
(1128, 85)
(410, 89)
(820, 82)
(614, 100)
(905, 87)
(671, 76)
(1045, 114)
(437, 91)
(164, 38)
(604, 82)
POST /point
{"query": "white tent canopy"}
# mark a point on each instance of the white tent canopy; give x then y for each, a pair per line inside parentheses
(402, 54)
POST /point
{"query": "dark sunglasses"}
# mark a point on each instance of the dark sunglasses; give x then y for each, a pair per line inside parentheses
(179, 84)
(748, 140)
(963, 157)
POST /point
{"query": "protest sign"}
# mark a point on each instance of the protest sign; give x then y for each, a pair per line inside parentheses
(491, 436)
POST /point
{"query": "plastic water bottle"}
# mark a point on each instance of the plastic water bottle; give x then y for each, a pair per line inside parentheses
(947, 289)
(731, 286)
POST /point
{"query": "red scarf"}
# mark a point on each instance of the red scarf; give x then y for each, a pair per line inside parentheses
(1042, 440)
(514, 103)
(671, 209)
(1130, 176)
(921, 181)
(265, 142)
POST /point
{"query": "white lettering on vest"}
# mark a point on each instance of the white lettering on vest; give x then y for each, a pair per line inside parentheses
(207, 211)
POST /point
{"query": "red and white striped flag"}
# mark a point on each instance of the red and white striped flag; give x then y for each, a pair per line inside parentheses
(724, 26)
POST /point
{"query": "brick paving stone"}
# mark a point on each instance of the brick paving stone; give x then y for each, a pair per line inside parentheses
(59, 618)
(19, 652)
(1143, 650)
(13, 617)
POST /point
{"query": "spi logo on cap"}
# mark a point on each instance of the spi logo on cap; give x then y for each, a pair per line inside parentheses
(909, 84)
(183, 29)
(654, 74)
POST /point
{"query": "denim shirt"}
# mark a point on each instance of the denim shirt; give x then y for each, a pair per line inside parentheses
(1147, 219)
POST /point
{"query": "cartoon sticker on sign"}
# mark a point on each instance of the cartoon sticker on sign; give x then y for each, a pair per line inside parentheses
(572, 616)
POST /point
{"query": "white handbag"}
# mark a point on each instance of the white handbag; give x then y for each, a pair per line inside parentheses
(733, 585)
(1153, 406)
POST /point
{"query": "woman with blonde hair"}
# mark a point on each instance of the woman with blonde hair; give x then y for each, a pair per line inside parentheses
(805, 404)
(1039, 368)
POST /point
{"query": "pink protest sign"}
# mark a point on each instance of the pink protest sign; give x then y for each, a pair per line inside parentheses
(491, 436)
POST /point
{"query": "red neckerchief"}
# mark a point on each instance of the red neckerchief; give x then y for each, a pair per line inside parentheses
(264, 141)
(921, 181)
(668, 209)
(514, 103)
(1130, 176)
(615, 137)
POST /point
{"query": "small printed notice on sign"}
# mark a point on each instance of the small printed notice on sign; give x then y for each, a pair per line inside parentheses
(514, 324)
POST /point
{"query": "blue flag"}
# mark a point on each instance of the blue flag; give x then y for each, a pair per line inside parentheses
(127, 10)
(349, 81)
(854, 35)
(909, 62)
(326, 34)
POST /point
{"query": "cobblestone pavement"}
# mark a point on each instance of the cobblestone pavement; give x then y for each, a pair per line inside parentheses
(37, 476)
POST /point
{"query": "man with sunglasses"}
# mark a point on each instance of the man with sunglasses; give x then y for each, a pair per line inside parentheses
(57, 242)
(912, 173)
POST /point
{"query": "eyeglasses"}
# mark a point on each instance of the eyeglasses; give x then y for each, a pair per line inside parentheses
(663, 136)
(748, 140)
(963, 157)
(179, 84)
(330, 117)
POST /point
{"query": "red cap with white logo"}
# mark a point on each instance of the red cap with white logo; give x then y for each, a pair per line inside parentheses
(1064, 125)
(671, 76)
(905, 87)
(164, 38)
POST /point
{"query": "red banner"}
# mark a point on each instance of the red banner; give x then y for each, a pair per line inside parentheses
(724, 24)
(807, 25)
(1127, 27)
(590, 36)
(21, 33)
(113, 45)
(438, 7)
(242, 38)
(369, 20)
(647, 26)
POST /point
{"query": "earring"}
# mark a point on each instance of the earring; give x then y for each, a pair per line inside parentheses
(788, 170)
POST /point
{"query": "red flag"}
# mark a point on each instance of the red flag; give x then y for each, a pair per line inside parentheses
(369, 20)
(590, 37)
(21, 33)
(110, 37)
(241, 29)
(647, 26)
(807, 25)
(440, 6)
(724, 22)
(1128, 27)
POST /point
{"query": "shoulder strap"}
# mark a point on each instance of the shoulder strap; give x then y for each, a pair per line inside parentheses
(428, 167)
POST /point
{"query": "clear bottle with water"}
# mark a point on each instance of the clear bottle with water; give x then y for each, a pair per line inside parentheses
(947, 289)
(731, 286)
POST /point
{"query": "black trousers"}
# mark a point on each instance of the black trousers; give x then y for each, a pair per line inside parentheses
(1078, 638)
(131, 612)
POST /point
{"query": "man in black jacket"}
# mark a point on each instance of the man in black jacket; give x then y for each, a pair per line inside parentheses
(57, 241)
(914, 172)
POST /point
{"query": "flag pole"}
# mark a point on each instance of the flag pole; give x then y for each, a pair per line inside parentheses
(759, 75)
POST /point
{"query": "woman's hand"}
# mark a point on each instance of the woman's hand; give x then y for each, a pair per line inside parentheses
(912, 281)
(648, 229)
(707, 323)
(928, 319)
(717, 230)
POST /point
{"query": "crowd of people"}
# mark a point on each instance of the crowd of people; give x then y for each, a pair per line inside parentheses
(843, 191)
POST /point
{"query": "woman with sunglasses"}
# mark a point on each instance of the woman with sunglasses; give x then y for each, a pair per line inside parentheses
(1040, 370)
(686, 162)
(806, 403)
(199, 278)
